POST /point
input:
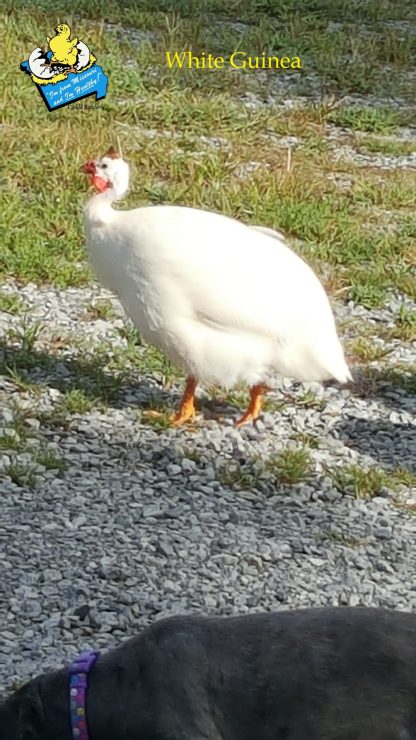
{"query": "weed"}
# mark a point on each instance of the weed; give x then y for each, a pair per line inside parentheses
(22, 474)
(405, 325)
(75, 401)
(307, 439)
(374, 120)
(240, 477)
(291, 465)
(362, 482)
(366, 350)
(310, 401)
(158, 421)
(370, 482)
(10, 303)
(26, 334)
(383, 145)
(11, 442)
(51, 461)
(100, 310)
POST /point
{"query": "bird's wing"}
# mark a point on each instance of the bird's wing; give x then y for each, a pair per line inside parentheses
(226, 274)
(269, 232)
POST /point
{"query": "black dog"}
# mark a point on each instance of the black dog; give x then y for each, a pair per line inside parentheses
(313, 674)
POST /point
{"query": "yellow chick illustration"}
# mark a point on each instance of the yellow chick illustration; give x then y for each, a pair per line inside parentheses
(63, 49)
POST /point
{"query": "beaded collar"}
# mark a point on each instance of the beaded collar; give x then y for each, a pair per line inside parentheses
(78, 685)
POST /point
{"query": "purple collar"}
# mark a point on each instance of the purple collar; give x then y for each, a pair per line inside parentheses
(78, 684)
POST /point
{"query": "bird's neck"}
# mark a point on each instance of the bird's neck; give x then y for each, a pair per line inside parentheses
(98, 210)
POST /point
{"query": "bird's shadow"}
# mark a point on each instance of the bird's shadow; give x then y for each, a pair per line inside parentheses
(393, 386)
(35, 369)
(389, 440)
(38, 369)
(392, 445)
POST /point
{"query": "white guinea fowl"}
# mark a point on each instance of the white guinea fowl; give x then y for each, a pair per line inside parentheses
(224, 301)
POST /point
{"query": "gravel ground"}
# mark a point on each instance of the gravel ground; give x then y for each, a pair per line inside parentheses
(143, 522)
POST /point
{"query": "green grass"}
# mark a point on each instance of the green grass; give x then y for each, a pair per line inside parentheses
(291, 466)
(374, 382)
(10, 441)
(100, 310)
(160, 421)
(308, 439)
(374, 120)
(403, 377)
(369, 482)
(366, 350)
(51, 461)
(344, 539)
(238, 477)
(75, 401)
(16, 431)
(26, 334)
(22, 474)
(308, 400)
(359, 481)
(405, 325)
(388, 146)
(10, 303)
(42, 191)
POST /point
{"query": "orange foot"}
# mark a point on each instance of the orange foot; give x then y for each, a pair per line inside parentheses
(187, 406)
(254, 407)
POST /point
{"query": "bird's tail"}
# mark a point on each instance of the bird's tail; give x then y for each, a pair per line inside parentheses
(335, 364)
(343, 375)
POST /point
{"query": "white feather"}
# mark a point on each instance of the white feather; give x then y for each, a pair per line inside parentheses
(223, 300)
(268, 231)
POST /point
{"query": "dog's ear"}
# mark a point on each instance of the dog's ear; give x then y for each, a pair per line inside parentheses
(30, 713)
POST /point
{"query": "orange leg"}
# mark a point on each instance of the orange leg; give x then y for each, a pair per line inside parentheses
(254, 407)
(187, 406)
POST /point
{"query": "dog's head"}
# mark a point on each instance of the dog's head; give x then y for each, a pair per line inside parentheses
(21, 716)
(39, 710)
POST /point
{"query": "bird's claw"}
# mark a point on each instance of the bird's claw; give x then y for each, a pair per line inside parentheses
(182, 417)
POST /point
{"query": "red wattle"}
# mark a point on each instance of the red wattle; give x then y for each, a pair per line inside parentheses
(100, 184)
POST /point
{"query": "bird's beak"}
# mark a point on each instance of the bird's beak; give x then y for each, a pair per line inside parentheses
(88, 168)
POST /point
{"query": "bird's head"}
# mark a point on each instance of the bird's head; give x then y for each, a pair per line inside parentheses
(109, 172)
(63, 30)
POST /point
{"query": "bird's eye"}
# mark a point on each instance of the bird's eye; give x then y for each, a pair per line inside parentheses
(104, 166)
